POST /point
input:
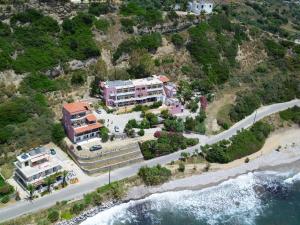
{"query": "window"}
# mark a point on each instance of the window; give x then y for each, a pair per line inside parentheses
(26, 163)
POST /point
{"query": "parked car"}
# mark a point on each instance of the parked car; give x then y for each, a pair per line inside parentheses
(117, 129)
(98, 111)
(52, 151)
(95, 148)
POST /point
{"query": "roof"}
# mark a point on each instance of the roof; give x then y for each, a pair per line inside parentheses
(163, 78)
(91, 117)
(76, 107)
(117, 83)
(87, 128)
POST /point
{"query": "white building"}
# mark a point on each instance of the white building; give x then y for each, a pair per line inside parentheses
(33, 167)
(198, 6)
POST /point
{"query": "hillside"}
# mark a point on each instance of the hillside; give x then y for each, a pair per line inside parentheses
(245, 48)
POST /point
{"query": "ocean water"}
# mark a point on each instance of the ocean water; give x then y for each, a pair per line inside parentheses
(259, 198)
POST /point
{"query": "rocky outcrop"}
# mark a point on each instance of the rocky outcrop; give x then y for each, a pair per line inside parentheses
(56, 9)
(164, 28)
(77, 64)
(89, 213)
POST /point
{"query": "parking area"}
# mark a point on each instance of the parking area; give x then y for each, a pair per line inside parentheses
(69, 165)
(114, 120)
(109, 146)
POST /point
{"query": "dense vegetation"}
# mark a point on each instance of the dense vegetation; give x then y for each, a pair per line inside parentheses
(154, 175)
(166, 143)
(216, 55)
(292, 114)
(242, 144)
(34, 42)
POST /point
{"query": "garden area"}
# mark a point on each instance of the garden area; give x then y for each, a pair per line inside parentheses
(166, 143)
(5, 191)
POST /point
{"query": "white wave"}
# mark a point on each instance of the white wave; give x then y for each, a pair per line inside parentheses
(292, 179)
(235, 197)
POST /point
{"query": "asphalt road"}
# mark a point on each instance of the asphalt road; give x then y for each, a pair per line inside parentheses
(76, 191)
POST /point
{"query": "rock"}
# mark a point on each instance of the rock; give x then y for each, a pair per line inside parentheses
(54, 72)
(76, 65)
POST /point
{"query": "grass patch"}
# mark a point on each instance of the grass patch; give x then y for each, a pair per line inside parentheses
(7, 170)
(223, 117)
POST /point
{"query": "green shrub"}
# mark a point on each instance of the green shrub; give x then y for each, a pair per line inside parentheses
(5, 199)
(53, 216)
(177, 40)
(99, 8)
(141, 132)
(181, 167)
(102, 24)
(57, 133)
(154, 175)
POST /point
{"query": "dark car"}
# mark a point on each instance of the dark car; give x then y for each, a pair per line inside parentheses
(52, 151)
(95, 148)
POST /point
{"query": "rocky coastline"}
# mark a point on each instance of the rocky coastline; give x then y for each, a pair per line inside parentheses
(89, 213)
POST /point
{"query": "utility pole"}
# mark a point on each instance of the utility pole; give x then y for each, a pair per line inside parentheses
(109, 169)
(255, 116)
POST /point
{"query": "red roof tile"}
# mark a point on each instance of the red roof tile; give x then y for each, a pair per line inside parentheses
(76, 107)
(164, 79)
(87, 128)
(91, 117)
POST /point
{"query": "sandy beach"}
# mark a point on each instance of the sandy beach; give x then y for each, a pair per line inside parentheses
(266, 158)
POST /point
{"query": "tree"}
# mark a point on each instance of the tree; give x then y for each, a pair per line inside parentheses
(78, 78)
(31, 190)
(49, 181)
(57, 133)
(104, 134)
(65, 174)
(154, 175)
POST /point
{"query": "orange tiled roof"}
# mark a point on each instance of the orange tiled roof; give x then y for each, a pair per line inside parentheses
(87, 128)
(91, 117)
(164, 79)
(76, 107)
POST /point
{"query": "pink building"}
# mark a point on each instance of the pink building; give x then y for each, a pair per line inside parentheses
(122, 93)
(79, 122)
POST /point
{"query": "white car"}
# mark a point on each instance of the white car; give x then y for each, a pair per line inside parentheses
(117, 129)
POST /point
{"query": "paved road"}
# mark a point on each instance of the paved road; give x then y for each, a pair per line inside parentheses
(77, 191)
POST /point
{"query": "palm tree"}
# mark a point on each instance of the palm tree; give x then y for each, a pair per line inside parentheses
(31, 190)
(49, 181)
(64, 182)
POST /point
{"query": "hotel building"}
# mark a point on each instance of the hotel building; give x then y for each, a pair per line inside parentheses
(79, 122)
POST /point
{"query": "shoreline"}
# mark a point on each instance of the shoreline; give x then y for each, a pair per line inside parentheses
(265, 159)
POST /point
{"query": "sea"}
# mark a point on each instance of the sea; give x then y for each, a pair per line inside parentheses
(267, 197)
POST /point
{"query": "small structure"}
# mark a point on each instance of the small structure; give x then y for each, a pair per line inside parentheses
(174, 106)
(198, 6)
(79, 122)
(33, 167)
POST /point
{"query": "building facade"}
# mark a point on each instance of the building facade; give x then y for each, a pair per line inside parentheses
(79, 122)
(33, 167)
(122, 93)
(198, 6)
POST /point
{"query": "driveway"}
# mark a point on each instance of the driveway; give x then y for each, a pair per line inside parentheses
(112, 120)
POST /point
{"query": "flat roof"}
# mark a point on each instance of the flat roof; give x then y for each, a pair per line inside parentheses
(117, 83)
(76, 107)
